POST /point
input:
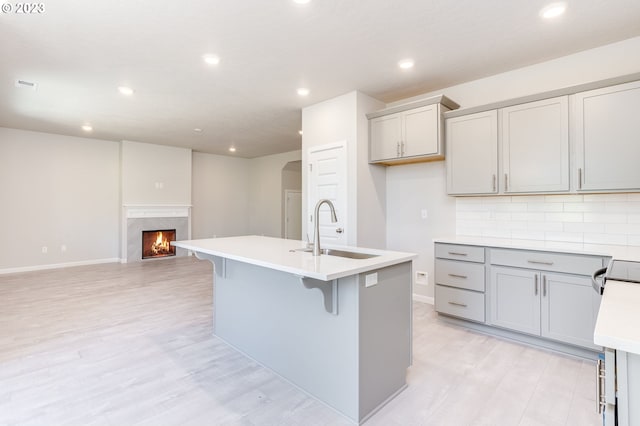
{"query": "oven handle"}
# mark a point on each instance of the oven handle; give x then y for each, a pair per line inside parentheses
(598, 286)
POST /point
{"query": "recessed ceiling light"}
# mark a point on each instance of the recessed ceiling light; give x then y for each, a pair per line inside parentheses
(87, 128)
(211, 59)
(405, 64)
(553, 10)
(197, 130)
(300, 132)
(301, 1)
(303, 91)
(232, 149)
(128, 91)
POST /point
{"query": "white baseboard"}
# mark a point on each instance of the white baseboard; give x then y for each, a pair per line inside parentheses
(423, 299)
(58, 265)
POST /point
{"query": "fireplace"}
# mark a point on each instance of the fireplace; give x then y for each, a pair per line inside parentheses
(156, 243)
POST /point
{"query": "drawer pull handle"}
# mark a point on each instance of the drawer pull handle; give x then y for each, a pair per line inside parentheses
(458, 304)
(457, 253)
(539, 262)
(458, 276)
(535, 279)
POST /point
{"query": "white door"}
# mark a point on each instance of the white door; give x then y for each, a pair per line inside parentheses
(293, 214)
(328, 179)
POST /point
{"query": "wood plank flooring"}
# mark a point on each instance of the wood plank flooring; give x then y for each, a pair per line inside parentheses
(132, 345)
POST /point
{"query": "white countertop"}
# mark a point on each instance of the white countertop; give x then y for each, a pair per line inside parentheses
(618, 252)
(276, 253)
(618, 324)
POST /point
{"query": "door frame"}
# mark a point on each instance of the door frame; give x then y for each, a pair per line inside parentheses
(286, 210)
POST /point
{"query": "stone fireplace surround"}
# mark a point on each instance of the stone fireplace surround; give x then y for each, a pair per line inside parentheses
(138, 218)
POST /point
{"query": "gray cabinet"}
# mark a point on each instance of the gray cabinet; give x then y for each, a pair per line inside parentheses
(533, 155)
(535, 146)
(607, 138)
(408, 133)
(569, 309)
(472, 153)
(460, 281)
(515, 299)
(537, 300)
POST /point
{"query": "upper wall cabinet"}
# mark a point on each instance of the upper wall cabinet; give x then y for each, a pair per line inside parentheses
(408, 133)
(534, 154)
(472, 153)
(606, 128)
(535, 146)
(584, 138)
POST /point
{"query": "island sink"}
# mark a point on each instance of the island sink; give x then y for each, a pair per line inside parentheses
(340, 253)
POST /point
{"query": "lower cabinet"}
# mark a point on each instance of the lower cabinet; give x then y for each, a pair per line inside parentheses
(561, 307)
(460, 303)
(538, 293)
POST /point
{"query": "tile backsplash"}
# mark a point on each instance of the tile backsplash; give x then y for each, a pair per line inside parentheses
(611, 219)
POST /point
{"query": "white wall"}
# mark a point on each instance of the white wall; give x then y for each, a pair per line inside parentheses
(344, 119)
(265, 215)
(220, 195)
(155, 174)
(58, 190)
(591, 65)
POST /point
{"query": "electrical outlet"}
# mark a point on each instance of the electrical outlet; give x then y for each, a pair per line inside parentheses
(45, 249)
(422, 278)
(63, 248)
(424, 213)
(371, 279)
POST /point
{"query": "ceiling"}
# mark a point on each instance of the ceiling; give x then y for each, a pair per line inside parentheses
(80, 52)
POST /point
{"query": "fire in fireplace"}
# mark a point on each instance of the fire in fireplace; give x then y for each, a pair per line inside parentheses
(156, 243)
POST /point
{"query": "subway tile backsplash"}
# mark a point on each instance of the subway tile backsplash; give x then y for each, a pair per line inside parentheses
(612, 219)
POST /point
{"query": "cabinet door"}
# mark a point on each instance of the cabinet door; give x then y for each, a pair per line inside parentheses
(386, 136)
(421, 131)
(607, 138)
(515, 299)
(569, 309)
(535, 146)
(472, 153)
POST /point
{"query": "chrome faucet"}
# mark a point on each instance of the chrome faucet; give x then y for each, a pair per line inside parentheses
(316, 236)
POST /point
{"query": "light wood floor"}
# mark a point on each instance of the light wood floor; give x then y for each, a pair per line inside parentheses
(133, 345)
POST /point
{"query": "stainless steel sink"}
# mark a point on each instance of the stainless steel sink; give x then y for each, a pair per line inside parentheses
(349, 254)
(340, 253)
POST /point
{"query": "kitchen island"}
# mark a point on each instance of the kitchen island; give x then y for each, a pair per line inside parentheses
(337, 327)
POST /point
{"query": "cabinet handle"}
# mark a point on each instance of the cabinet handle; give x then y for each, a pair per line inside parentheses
(458, 304)
(494, 183)
(601, 400)
(458, 276)
(540, 262)
(402, 148)
(580, 178)
(535, 280)
(457, 253)
(398, 149)
(506, 182)
(544, 286)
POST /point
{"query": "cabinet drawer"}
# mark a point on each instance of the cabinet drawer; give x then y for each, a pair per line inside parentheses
(546, 261)
(465, 275)
(460, 252)
(460, 303)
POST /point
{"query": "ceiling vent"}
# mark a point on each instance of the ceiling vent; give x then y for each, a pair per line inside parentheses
(24, 84)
